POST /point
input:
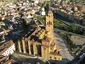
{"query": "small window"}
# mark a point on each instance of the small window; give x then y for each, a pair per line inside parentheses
(58, 58)
(49, 23)
(51, 48)
(44, 48)
(50, 57)
(58, 52)
(49, 15)
(55, 58)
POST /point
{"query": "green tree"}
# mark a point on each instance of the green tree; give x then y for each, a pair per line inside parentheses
(75, 0)
(84, 16)
(73, 27)
(83, 30)
(69, 43)
(47, 8)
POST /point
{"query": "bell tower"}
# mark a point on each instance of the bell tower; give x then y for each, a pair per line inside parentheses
(49, 24)
(49, 36)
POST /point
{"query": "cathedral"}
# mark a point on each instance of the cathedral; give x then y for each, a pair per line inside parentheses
(41, 42)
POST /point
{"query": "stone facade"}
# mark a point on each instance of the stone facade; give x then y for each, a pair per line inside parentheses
(41, 42)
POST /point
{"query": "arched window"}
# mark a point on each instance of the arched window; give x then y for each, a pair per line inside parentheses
(49, 23)
(55, 58)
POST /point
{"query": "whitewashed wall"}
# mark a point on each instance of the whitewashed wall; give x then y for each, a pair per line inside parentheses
(9, 51)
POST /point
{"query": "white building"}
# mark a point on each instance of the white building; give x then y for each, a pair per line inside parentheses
(7, 48)
(41, 1)
(29, 16)
(43, 12)
(36, 1)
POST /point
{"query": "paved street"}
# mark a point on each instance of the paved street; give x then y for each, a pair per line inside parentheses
(63, 49)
